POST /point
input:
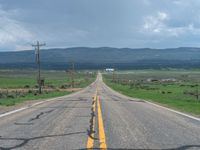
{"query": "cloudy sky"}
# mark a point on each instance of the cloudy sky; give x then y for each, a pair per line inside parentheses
(95, 23)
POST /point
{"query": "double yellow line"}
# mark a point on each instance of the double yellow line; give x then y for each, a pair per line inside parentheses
(102, 137)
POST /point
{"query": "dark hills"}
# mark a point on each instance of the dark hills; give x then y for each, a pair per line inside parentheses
(99, 58)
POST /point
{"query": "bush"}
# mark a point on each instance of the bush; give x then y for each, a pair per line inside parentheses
(51, 86)
(30, 91)
(22, 95)
(27, 86)
(46, 92)
(1, 95)
(163, 92)
(10, 96)
(64, 86)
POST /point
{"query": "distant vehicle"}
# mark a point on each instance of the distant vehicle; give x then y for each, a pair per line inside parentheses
(110, 69)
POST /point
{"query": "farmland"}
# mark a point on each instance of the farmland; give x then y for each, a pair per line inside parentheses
(178, 89)
(17, 86)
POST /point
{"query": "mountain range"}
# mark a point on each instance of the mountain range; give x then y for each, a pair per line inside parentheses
(103, 57)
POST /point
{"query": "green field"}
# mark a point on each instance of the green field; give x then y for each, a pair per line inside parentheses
(21, 78)
(17, 86)
(178, 89)
(30, 96)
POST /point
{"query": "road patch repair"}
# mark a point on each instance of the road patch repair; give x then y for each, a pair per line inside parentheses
(91, 131)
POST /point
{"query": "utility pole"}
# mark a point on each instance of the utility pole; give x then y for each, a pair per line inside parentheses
(113, 76)
(72, 75)
(37, 54)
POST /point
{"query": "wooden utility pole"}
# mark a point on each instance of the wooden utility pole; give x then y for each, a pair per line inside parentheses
(113, 76)
(37, 54)
(71, 73)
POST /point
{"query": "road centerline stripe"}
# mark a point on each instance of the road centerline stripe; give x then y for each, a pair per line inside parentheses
(102, 137)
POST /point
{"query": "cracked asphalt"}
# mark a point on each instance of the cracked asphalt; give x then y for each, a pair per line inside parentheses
(67, 123)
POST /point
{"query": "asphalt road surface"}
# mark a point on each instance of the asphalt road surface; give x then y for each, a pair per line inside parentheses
(99, 118)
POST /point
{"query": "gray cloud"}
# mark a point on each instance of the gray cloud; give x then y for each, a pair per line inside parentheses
(12, 32)
(118, 23)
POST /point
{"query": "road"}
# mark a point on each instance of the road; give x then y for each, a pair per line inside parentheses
(99, 118)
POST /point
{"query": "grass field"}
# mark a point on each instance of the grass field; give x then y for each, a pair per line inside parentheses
(17, 86)
(13, 101)
(21, 78)
(178, 89)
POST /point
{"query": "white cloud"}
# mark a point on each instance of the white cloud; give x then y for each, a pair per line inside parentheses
(12, 31)
(19, 47)
(159, 25)
(162, 16)
(155, 23)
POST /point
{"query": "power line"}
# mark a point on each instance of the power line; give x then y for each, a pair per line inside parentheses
(37, 54)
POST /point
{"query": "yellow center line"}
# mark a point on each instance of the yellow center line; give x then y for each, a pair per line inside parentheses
(102, 137)
(90, 143)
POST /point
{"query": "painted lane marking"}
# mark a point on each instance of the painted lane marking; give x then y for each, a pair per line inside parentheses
(102, 137)
(27, 107)
(156, 105)
(90, 143)
(174, 111)
(44, 101)
(12, 112)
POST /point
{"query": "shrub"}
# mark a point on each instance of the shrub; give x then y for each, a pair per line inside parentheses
(1, 95)
(27, 86)
(51, 86)
(30, 91)
(10, 95)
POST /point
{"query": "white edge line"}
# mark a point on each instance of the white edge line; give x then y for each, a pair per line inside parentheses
(35, 104)
(177, 112)
(172, 110)
(24, 108)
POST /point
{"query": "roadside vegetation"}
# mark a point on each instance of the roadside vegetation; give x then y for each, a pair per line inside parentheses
(17, 86)
(178, 89)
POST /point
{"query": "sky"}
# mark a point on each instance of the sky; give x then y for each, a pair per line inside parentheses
(99, 23)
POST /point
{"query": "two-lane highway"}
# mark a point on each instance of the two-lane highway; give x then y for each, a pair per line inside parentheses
(97, 117)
